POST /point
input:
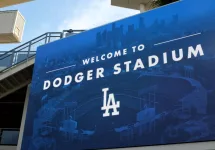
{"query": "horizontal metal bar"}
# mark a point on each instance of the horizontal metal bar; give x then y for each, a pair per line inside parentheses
(19, 49)
(17, 63)
(25, 43)
(25, 47)
(71, 31)
(24, 51)
(36, 39)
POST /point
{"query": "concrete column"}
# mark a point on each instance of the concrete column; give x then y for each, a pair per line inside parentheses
(23, 119)
(142, 7)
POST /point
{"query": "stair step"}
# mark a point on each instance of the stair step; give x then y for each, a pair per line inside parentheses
(15, 80)
(2, 88)
(5, 84)
(21, 76)
(10, 82)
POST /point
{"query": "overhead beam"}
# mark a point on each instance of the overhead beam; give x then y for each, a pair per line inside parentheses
(5, 3)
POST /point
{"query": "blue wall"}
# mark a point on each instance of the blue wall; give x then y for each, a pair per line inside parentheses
(169, 103)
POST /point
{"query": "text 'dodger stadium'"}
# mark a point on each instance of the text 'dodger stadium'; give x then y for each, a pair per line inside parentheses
(141, 81)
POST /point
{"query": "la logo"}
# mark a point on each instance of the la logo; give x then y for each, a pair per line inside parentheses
(109, 104)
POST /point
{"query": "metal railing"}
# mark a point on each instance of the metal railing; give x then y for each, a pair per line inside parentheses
(26, 51)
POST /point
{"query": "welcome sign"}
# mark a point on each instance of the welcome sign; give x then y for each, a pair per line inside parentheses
(144, 80)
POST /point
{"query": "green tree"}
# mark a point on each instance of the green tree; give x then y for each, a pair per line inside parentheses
(157, 3)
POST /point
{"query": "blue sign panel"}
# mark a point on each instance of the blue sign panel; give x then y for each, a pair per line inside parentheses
(144, 80)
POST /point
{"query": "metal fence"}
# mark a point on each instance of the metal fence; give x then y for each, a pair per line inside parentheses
(26, 51)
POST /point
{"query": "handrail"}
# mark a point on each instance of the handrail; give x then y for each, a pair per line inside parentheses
(26, 49)
(33, 40)
(11, 57)
(24, 44)
(12, 51)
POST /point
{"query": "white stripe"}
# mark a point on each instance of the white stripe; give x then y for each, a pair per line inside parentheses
(177, 39)
(61, 68)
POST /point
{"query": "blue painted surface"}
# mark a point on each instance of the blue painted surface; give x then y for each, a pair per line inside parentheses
(165, 104)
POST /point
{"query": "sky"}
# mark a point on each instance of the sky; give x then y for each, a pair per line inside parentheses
(56, 15)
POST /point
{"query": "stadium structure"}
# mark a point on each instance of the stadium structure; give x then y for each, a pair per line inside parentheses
(16, 67)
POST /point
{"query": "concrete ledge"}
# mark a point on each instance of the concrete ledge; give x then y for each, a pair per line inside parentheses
(189, 146)
(16, 68)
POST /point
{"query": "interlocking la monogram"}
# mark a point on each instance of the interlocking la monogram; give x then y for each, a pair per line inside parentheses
(107, 104)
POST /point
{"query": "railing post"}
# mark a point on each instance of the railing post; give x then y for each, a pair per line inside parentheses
(12, 58)
(29, 49)
(61, 35)
(49, 35)
(46, 38)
